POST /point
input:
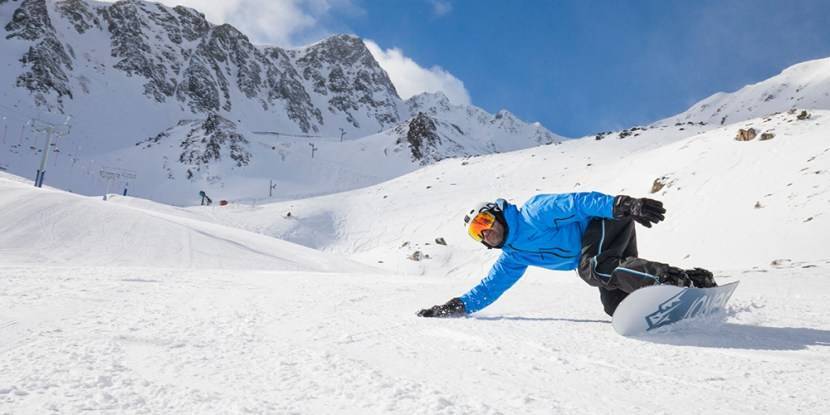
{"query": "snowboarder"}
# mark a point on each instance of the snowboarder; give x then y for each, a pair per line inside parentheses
(590, 232)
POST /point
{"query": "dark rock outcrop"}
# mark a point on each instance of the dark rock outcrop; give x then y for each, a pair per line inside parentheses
(746, 134)
(422, 138)
(79, 14)
(206, 142)
(46, 60)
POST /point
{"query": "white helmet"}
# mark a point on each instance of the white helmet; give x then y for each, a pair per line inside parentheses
(471, 213)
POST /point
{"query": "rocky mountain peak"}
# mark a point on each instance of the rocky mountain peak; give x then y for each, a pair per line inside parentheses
(506, 120)
(30, 21)
(342, 69)
(340, 50)
(430, 102)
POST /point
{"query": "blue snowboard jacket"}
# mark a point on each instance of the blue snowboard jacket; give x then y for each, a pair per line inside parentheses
(546, 232)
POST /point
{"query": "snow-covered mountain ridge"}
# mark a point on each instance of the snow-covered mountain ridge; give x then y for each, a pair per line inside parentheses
(180, 57)
(804, 85)
(133, 71)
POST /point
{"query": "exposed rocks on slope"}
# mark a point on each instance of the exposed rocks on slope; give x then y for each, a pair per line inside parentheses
(746, 134)
(46, 59)
(79, 14)
(205, 142)
(422, 138)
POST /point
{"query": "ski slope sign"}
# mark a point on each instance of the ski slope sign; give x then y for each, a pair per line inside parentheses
(657, 306)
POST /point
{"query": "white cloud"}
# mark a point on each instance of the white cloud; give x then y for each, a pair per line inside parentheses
(277, 22)
(411, 79)
(441, 7)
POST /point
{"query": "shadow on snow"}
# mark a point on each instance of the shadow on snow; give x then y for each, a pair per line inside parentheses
(718, 335)
(740, 336)
(512, 318)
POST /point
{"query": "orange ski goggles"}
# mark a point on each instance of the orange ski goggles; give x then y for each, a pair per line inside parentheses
(483, 220)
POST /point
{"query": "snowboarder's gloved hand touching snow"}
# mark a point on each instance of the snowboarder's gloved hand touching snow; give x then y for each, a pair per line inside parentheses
(674, 276)
(644, 211)
(453, 308)
(701, 278)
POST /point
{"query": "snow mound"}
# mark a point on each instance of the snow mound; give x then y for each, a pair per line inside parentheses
(51, 227)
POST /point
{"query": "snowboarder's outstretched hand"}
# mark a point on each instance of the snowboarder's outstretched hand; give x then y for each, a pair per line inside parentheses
(452, 308)
(645, 211)
(701, 278)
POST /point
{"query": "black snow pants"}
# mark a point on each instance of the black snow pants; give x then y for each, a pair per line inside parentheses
(609, 261)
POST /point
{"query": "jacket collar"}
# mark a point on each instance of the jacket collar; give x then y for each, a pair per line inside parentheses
(511, 218)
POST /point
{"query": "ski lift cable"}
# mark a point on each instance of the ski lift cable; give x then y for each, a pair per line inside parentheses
(286, 134)
(19, 113)
(5, 114)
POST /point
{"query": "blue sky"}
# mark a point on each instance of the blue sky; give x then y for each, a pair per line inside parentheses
(584, 66)
(578, 67)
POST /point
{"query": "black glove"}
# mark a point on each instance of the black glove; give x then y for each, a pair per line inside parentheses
(701, 278)
(453, 308)
(644, 211)
(675, 276)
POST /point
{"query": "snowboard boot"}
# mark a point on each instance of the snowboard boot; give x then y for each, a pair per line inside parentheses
(701, 278)
(674, 276)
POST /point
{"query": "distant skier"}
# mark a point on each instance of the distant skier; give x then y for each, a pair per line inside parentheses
(206, 201)
(590, 232)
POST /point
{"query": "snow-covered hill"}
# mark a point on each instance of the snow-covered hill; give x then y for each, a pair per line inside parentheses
(805, 85)
(52, 227)
(722, 195)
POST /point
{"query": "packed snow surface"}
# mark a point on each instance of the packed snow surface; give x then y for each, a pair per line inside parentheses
(130, 306)
(153, 340)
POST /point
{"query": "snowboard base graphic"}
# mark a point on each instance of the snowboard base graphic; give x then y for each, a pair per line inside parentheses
(657, 306)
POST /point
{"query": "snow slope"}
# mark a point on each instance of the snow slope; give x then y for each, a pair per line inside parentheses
(52, 227)
(804, 85)
(730, 203)
(115, 317)
(150, 340)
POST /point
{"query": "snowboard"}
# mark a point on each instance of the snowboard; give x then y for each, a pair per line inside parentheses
(650, 308)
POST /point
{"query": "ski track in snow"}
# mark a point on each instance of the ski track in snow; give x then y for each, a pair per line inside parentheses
(132, 340)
